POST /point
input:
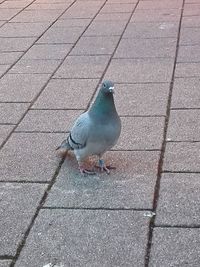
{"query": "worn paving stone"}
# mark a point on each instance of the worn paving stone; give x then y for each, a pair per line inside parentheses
(112, 17)
(135, 175)
(82, 67)
(140, 70)
(103, 28)
(5, 130)
(184, 125)
(192, 10)
(190, 22)
(48, 120)
(185, 70)
(70, 23)
(158, 15)
(186, 93)
(61, 35)
(7, 13)
(3, 69)
(61, 94)
(118, 8)
(96, 45)
(29, 156)
(141, 99)
(49, 6)
(8, 116)
(48, 51)
(160, 4)
(141, 48)
(175, 247)
(15, 4)
(18, 205)
(182, 157)
(27, 87)
(189, 53)
(9, 57)
(39, 66)
(89, 238)
(151, 30)
(15, 44)
(22, 29)
(5, 263)
(141, 133)
(179, 199)
(189, 36)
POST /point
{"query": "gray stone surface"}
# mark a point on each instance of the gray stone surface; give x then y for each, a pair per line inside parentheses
(48, 120)
(175, 247)
(5, 263)
(29, 156)
(192, 9)
(9, 57)
(65, 94)
(130, 99)
(89, 238)
(112, 16)
(141, 133)
(140, 70)
(184, 125)
(158, 15)
(3, 69)
(131, 185)
(8, 116)
(15, 4)
(5, 130)
(118, 8)
(151, 30)
(179, 199)
(191, 22)
(182, 157)
(18, 205)
(96, 45)
(190, 36)
(82, 67)
(160, 4)
(141, 48)
(27, 86)
(187, 69)
(186, 93)
(189, 53)
(8, 13)
(16, 44)
(71, 23)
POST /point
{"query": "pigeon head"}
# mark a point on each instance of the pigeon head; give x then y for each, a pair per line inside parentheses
(107, 87)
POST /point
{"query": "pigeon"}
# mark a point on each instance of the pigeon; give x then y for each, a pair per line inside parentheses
(95, 131)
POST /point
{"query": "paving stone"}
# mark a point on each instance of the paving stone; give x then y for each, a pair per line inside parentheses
(182, 157)
(15, 44)
(140, 70)
(3, 69)
(30, 157)
(22, 29)
(184, 125)
(15, 4)
(35, 66)
(101, 28)
(179, 199)
(118, 8)
(141, 133)
(190, 36)
(5, 130)
(5, 263)
(112, 17)
(9, 57)
(61, 35)
(89, 238)
(141, 48)
(37, 16)
(185, 70)
(191, 10)
(158, 15)
(7, 13)
(82, 67)
(48, 120)
(8, 116)
(27, 87)
(151, 30)
(18, 205)
(135, 175)
(62, 94)
(160, 4)
(186, 93)
(48, 51)
(175, 247)
(190, 22)
(96, 45)
(189, 53)
(49, 6)
(71, 23)
(2, 22)
(141, 99)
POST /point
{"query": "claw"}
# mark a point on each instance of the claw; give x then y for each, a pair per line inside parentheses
(85, 171)
(103, 167)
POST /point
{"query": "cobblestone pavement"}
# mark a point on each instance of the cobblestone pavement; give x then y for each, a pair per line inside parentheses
(53, 56)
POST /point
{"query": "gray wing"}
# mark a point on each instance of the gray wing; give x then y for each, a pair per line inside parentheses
(80, 131)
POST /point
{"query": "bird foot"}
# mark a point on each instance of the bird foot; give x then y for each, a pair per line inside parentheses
(86, 171)
(103, 167)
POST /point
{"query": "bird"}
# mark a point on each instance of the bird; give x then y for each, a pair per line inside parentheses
(95, 131)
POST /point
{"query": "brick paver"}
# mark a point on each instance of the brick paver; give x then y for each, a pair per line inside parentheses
(53, 56)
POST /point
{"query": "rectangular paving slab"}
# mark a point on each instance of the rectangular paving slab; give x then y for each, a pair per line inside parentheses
(16, 44)
(30, 157)
(5, 130)
(189, 53)
(185, 70)
(175, 247)
(9, 57)
(130, 186)
(160, 4)
(189, 36)
(5, 263)
(158, 15)
(86, 238)
(18, 205)
(179, 201)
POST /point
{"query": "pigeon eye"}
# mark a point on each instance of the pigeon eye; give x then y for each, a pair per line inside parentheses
(104, 85)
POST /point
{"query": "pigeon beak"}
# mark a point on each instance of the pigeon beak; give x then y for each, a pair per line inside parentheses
(111, 89)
